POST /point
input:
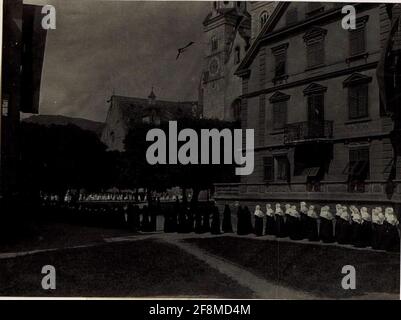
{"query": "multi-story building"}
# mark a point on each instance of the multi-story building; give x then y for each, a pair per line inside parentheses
(310, 92)
(125, 112)
(228, 29)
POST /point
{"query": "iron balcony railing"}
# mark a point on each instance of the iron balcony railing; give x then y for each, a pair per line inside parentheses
(308, 131)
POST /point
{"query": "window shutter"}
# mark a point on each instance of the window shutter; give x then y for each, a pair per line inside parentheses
(363, 101)
(315, 53)
(353, 103)
(280, 65)
(357, 41)
(279, 114)
(268, 169)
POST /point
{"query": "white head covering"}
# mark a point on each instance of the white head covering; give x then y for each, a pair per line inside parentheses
(258, 212)
(287, 208)
(312, 213)
(279, 211)
(354, 211)
(303, 208)
(345, 214)
(356, 215)
(377, 215)
(339, 209)
(390, 216)
(269, 210)
(365, 214)
(325, 213)
(294, 212)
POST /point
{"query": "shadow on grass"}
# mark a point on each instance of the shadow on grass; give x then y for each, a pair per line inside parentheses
(144, 268)
(312, 268)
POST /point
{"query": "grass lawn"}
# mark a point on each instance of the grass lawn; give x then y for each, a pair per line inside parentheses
(313, 268)
(49, 235)
(130, 269)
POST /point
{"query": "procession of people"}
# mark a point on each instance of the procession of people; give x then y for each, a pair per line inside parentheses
(353, 226)
(345, 225)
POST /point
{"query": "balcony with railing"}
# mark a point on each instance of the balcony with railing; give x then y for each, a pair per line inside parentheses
(308, 131)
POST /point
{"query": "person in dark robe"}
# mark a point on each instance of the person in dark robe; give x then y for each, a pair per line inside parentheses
(120, 217)
(174, 213)
(182, 218)
(303, 217)
(227, 225)
(125, 208)
(288, 220)
(297, 233)
(377, 228)
(167, 221)
(391, 237)
(326, 225)
(189, 226)
(366, 232)
(206, 219)
(240, 221)
(357, 221)
(198, 221)
(137, 219)
(280, 222)
(312, 224)
(248, 221)
(270, 228)
(344, 227)
(258, 215)
(337, 220)
(215, 228)
(145, 223)
(153, 218)
(191, 214)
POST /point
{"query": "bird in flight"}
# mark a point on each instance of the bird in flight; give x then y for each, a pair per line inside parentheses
(181, 50)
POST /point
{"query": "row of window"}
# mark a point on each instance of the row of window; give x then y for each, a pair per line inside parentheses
(357, 103)
(315, 48)
(237, 50)
(312, 9)
(277, 169)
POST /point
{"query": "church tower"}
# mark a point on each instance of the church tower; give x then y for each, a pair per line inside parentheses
(226, 20)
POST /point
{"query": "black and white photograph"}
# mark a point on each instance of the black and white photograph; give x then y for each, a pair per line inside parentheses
(200, 150)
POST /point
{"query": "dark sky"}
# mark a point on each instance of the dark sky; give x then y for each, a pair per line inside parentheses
(127, 46)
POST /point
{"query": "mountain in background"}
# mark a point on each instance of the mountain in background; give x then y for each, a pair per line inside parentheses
(84, 124)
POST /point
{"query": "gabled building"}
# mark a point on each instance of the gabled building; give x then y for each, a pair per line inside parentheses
(125, 112)
(310, 92)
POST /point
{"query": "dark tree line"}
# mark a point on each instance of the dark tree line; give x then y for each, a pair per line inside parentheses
(57, 158)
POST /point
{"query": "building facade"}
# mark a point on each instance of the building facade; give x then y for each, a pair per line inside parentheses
(125, 112)
(310, 92)
(228, 30)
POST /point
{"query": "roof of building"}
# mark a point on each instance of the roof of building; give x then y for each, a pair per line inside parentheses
(130, 107)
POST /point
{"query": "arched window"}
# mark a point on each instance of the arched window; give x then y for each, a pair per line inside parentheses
(263, 18)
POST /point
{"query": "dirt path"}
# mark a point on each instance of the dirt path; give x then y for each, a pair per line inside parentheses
(261, 288)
